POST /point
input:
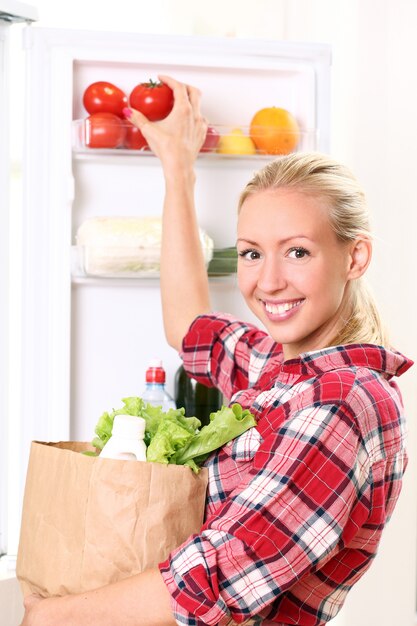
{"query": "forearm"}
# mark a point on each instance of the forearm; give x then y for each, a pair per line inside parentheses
(184, 282)
(141, 600)
(176, 140)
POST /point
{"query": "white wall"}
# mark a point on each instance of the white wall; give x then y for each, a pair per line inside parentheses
(374, 131)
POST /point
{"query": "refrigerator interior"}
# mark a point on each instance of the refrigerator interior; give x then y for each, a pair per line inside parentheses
(95, 336)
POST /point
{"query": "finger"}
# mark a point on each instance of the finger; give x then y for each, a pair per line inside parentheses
(136, 117)
(179, 89)
(148, 129)
(194, 96)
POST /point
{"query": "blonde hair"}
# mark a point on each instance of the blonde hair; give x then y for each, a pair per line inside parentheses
(319, 175)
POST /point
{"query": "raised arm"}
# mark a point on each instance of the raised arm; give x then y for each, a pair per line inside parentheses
(176, 140)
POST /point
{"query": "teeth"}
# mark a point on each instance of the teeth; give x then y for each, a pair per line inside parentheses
(278, 309)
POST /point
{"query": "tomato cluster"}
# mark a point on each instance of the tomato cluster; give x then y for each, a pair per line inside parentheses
(106, 126)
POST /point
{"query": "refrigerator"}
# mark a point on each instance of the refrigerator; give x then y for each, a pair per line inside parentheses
(86, 339)
(11, 12)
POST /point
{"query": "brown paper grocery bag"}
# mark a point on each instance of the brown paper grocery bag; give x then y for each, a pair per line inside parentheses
(88, 521)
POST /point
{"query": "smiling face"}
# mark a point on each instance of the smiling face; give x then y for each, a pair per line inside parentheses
(293, 271)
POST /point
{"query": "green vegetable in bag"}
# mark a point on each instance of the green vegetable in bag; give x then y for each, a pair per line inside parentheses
(171, 437)
(225, 425)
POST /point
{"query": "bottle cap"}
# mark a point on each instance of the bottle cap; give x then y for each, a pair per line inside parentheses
(155, 372)
(128, 426)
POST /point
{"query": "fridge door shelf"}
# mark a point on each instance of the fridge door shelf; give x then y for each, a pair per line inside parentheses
(88, 263)
(122, 138)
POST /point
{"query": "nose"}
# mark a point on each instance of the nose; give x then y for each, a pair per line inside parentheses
(271, 277)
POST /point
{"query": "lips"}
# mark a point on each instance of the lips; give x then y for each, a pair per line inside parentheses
(279, 312)
(281, 308)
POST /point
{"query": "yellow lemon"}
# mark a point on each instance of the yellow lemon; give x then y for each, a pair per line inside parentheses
(236, 142)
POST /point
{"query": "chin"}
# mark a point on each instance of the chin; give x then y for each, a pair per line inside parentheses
(289, 339)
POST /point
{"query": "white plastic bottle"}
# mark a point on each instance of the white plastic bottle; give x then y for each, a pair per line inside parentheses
(126, 442)
(155, 392)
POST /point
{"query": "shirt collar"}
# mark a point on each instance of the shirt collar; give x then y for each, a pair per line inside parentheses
(389, 362)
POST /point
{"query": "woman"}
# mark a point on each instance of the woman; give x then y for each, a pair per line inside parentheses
(296, 506)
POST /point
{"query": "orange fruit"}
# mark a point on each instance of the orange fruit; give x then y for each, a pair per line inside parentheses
(274, 131)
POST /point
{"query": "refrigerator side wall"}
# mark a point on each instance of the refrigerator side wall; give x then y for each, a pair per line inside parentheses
(4, 275)
(47, 199)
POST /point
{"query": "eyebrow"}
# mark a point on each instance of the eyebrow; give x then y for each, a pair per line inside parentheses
(281, 241)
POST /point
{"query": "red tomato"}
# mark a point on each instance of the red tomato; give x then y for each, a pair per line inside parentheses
(134, 140)
(102, 97)
(154, 100)
(104, 130)
(211, 140)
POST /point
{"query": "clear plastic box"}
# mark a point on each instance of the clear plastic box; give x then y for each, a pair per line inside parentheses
(137, 262)
(119, 136)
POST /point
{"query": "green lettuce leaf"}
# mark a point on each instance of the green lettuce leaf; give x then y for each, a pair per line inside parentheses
(225, 424)
(104, 427)
(103, 430)
(171, 437)
(153, 415)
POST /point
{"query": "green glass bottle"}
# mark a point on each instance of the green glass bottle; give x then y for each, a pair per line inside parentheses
(197, 399)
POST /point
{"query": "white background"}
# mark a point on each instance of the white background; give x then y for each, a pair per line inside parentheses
(373, 129)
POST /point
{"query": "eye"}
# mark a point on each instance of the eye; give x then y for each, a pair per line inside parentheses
(298, 253)
(250, 254)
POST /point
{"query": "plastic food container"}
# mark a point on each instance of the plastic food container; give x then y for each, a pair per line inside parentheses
(130, 247)
(140, 262)
(119, 136)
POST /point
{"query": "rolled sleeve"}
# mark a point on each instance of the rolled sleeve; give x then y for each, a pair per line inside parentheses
(304, 499)
(221, 351)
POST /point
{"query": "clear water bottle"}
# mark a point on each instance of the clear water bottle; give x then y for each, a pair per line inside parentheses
(155, 392)
(126, 442)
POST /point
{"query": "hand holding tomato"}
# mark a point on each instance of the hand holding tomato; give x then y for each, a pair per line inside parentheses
(178, 137)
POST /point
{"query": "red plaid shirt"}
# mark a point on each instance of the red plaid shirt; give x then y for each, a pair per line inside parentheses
(296, 506)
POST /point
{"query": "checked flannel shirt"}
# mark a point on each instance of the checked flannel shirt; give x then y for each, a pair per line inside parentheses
(296, 505)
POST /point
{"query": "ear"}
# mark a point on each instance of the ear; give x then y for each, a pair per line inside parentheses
(359, 257)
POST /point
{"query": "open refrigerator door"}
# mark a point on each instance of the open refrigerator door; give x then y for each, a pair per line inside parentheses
(11, 12)
(91, 311)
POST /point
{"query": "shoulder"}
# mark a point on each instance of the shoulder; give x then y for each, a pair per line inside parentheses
(338, 372)
(335, 395)
(359, 388)
(343, 393)
(372, 403)
(334, 386)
